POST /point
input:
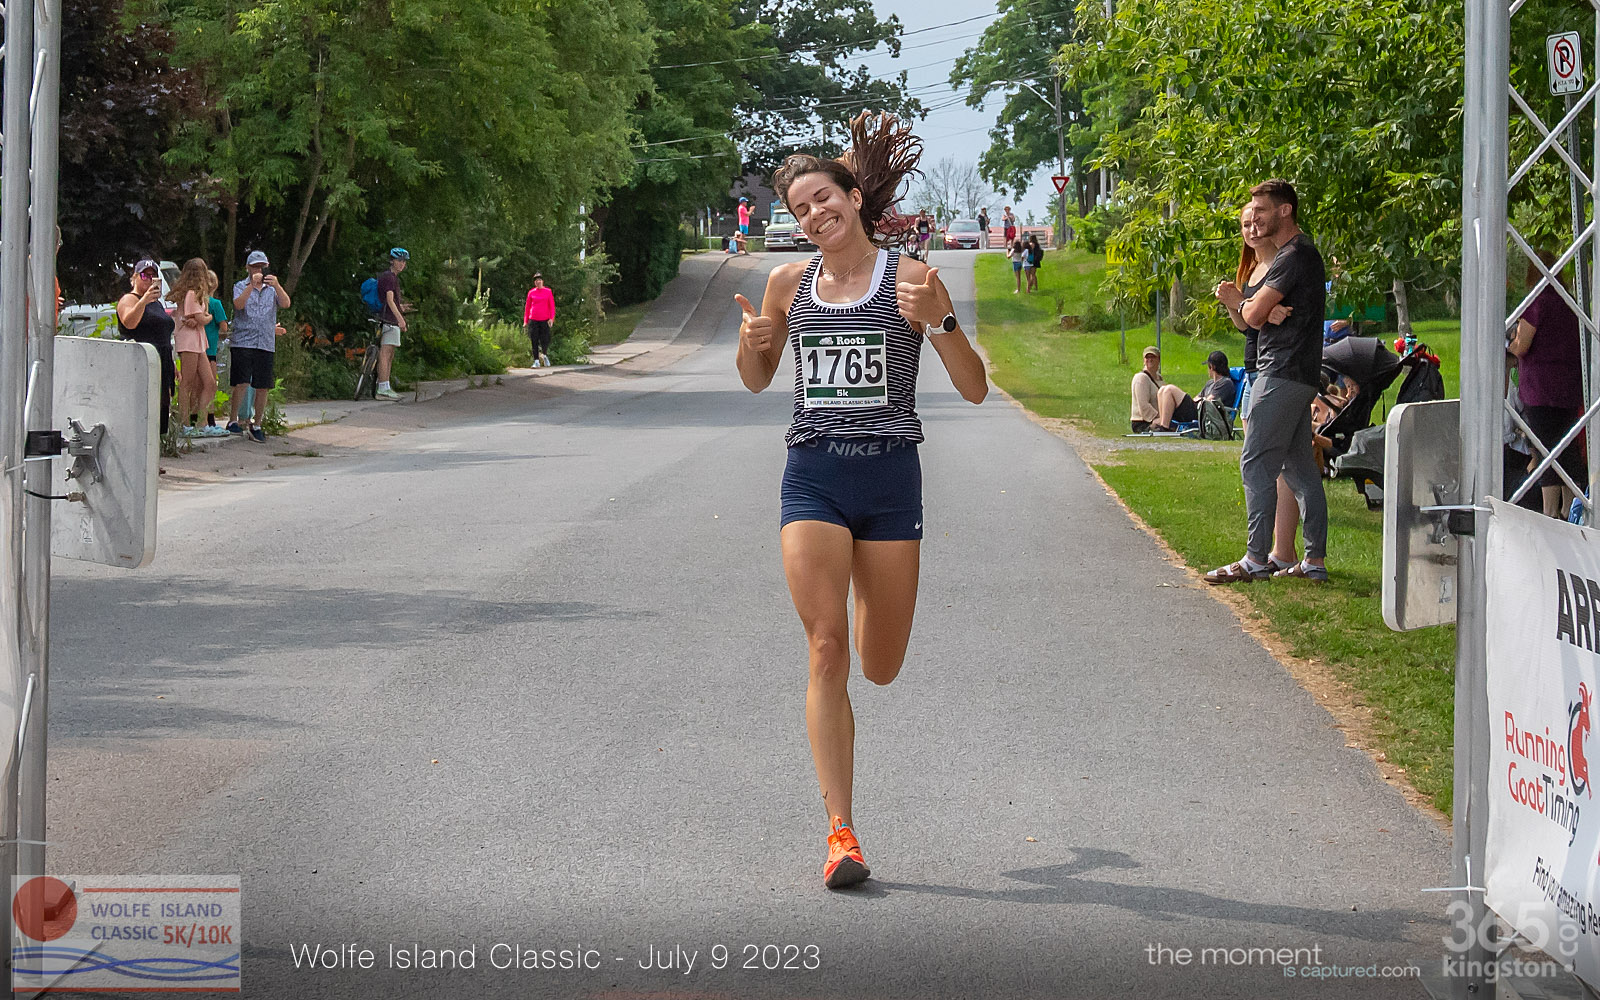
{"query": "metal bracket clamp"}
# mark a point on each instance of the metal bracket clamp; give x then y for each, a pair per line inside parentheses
(1459, 518)
(84, 446)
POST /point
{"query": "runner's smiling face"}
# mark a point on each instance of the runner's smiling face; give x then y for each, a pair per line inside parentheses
(830, 215)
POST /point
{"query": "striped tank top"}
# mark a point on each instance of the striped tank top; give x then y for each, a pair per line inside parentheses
(855, 363)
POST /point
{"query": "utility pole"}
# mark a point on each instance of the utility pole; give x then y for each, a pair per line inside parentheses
(1061, 160)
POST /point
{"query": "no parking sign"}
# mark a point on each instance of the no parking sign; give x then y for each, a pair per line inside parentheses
(1564, 57)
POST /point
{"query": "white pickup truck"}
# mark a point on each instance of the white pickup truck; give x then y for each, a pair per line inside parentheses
(101, 320)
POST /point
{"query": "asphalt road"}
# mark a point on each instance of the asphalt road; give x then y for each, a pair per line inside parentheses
(570, 597)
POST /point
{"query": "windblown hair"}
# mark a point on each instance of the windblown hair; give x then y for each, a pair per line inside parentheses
(193, 278)
(883, 153)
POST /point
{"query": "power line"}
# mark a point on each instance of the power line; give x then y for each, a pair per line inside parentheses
(841, 45)
(909, 91)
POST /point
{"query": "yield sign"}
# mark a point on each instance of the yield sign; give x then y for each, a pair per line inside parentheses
(1060, 181)
(1563, 54)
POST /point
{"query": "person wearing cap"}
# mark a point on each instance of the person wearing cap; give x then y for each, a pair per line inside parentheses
(1147, 386)
(537, 314)
(256, 301)
(1172, 405)
(391, 318)
(142, 317)
(744, 217)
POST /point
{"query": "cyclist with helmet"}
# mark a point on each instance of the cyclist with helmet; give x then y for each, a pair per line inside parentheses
(391, 318)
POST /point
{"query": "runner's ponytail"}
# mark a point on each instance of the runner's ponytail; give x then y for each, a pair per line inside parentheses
(883, 154)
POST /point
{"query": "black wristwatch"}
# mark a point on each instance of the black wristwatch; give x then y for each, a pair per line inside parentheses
(948, 324)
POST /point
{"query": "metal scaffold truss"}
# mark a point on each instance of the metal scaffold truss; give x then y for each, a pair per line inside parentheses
(30, 67)
(1512, 150)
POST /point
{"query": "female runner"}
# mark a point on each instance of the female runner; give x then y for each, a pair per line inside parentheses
(853, 319)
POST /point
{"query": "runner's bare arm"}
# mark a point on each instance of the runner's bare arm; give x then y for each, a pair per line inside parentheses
(763, 335)
(925, 302)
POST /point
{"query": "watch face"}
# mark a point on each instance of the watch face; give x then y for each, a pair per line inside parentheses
(949, 325)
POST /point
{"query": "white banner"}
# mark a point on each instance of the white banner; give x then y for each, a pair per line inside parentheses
(1543, 864)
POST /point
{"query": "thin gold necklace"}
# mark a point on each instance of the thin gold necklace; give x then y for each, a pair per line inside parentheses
(833, 275)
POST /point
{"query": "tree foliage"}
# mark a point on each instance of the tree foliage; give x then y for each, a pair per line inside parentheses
(120, 102)
(802, 89)
(684, 152)
(1356, 103)
(431, 105)
(1015, 53)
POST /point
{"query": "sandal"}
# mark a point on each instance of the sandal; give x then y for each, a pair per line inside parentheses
(1237, 572)
(1303, 570)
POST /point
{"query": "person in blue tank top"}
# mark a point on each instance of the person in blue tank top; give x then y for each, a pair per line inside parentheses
(851, 322)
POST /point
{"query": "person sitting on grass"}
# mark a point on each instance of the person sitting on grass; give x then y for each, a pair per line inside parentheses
(1168, 405)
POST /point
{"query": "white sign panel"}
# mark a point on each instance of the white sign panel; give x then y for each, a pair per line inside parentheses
(1564, 57)
(116, 383)
(1543, 863)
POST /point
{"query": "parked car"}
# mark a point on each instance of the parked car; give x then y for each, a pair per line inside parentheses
(101, 320)
(965, 234)
(784, 233)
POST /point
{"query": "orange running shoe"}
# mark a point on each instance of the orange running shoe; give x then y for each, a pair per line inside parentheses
(845, 865)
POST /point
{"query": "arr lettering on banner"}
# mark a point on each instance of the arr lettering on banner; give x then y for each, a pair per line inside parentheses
(1577, 610)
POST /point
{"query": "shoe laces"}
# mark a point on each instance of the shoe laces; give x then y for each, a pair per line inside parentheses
(843, 841)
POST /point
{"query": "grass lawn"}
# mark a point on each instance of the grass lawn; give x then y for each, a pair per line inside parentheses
(619, 323)
(1193, 498)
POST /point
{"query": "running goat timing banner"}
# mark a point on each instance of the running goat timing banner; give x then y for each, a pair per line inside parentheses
(1543, 863)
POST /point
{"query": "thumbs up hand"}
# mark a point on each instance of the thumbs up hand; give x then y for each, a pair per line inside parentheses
(927, 303)
(755, 330)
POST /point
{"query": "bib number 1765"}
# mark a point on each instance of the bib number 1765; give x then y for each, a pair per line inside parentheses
(844, 370)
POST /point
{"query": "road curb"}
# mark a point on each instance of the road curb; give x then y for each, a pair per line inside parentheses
(429, 391)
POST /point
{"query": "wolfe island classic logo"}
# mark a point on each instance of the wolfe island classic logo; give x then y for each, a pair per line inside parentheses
(147, 934)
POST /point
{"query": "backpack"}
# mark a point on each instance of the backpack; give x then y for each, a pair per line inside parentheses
(1214, 424)
(1422, 384)
(369, 295)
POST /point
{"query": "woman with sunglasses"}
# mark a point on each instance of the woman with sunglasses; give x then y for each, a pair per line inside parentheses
(142, 317)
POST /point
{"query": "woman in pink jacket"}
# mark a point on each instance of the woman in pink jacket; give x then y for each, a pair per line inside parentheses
(537, 315)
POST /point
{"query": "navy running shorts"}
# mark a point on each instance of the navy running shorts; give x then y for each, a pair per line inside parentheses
(872, 486)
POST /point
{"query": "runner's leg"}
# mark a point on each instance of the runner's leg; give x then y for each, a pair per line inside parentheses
(816, 562)
(884, 575)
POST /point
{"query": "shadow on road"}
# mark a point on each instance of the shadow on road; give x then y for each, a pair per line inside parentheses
(1059, 885)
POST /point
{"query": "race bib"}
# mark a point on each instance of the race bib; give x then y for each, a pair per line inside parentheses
(844, 370)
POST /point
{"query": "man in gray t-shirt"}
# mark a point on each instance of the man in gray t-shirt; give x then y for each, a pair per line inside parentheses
(253, 339)
(1287, 309)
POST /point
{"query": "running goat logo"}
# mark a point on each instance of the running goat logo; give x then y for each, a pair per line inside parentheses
(1578, 730)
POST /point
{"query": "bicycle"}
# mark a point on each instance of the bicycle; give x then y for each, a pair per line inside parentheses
(367, 379)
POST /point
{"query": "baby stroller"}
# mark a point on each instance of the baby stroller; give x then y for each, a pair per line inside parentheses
(1356, 449)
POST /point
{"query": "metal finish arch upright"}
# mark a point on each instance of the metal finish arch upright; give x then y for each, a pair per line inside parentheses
(1490, 179)
(1483, 274)
(30, 68)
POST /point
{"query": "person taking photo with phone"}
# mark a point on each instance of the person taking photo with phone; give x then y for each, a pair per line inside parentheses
(256, 301)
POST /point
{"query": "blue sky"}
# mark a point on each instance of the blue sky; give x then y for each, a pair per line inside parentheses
(956, 129)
